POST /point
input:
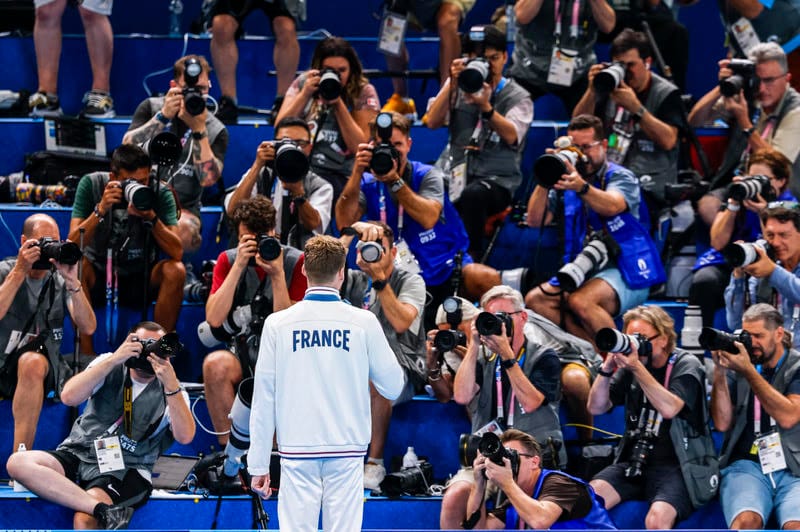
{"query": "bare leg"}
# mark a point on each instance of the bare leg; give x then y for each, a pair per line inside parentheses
(477, 279)
(168, 277)
(594, 305)
(607, 492)
(27, 403)
(221, 374)
(399, 64)
(84, 521)
(454, 506)
(447, 21)
(381, 415)
(89, 278)
(747, 520)
(100, 44)
(286, 54)
(542, 301)
(47, 43)
(189, 232)
(575, 385)
(660, 516)
(224, 53)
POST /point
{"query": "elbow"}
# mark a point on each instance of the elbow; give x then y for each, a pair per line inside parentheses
(69, 397)
(787, 422)
(186, 436)
(462, 397)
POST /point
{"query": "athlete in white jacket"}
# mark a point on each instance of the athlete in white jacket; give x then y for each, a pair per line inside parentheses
(315, 362)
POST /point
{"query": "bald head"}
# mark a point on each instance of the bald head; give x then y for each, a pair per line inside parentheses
(39, 225)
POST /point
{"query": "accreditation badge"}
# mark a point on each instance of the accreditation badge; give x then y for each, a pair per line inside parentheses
(562, 67)
(109, 454)
(770, 452)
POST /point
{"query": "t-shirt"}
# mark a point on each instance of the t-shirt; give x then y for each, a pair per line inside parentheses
(297, 286)
(545, 376)
(573, 498)
(431, 187)
(623, 182)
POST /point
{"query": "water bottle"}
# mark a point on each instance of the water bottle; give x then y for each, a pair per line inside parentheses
(511, 23)
(692, 325)
(175, 11)
(410, 458)
(17, 484)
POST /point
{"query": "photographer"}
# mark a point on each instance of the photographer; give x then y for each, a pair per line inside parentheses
(772, 278)
(240, 276)
(397, 298)
(764, 113)
(665, 412)
(711, 272)
(443, 362)
(641, 115)
(132, 238)
(36, 292)
(488, 125)
(103, 469)
(527, 374)
(338, 111)
(755, 400)
(304, 203)
(602, 196)
(203, 137)
(538, 498)
(411, 198)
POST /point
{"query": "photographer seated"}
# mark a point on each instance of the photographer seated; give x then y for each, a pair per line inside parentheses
(302, 199)
(641, 112)
(125, 227)
(537, 497)
(489, 116)
(397, 297)
(755, 399)
(204, 139)
(767, 179)
(510, 360)
(762, 110)
(37, 289)
(663, 390)
(774, 273)
(250, 282)
(600, 195)
(103, 469)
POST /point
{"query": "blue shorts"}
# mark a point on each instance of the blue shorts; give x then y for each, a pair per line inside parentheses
(628, 297)
(745, 488)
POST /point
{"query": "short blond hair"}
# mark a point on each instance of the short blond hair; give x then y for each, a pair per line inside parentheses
(658, 318)
(324, 258)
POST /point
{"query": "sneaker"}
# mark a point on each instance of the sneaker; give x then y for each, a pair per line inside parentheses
(97, 104)
(115, 517)
(373, 476)
(404, 106)
(227, 113)
(42, 104)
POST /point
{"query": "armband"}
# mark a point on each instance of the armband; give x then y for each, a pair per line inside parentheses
(606, 374)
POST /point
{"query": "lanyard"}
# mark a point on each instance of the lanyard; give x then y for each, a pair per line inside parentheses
(498, 379)
(382, 208)
(653, 416)
(573, 27)
(757, 403)
(127, 403)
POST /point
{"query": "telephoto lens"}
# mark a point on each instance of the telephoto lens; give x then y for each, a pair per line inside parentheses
(65, 252)
(291, 164)
(473, 77)
(489, 324)
(549, 167)
(750, 187)
(330, 84)
(716, 340)
(593, 258)
(740, 254)
(269, 247)
(384, 154)
(140, 196)
(370, 251)
(609, 78)
(613, 341)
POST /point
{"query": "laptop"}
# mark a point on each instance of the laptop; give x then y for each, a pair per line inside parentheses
(170, 471)
(73, 135)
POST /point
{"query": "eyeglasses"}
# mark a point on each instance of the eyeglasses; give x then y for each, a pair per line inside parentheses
(494, 57)
(301, 143)
(783, 205)
(527, 455)
(586, 147)
(769, 80)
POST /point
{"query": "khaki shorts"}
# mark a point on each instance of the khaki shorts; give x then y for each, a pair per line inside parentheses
(101, 7)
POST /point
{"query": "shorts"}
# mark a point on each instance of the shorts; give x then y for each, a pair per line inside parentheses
(8, 381)
(408, 391)
(466, 474)
(659, 483)
(130, 291)
(628, 297)
(241, 9)
(422, 13)
(132, 490)
(101, 7)
(745, 488)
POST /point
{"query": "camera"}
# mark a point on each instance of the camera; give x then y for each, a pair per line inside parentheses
(474, 75)
(549, 167)
(690, 186)
(493, 449)
(246, 319)
(165, 347)
(269, 248)
(291, 164)
(468, 449)
(199, 290)
(593, 258)
(64, 252)
(447, 340)
(643, 445)
(609, 78)
(260, 308)
(744, 253)
(384, 155)
(370, 251)
(716, 340)
(193, 99)
(412, 481)
(743, 78)
(330, 84)
(489, 324)
(613, 341)
(141, 196)
(750, 187)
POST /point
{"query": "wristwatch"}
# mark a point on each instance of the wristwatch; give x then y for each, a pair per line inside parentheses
(299, 200)
(488, 114)
(349, 231)
(397, 185)
(197, 135)
(508, 364)
(638, 115)
(379, 285)
(584, 189)
(749, 131)
(161, 118)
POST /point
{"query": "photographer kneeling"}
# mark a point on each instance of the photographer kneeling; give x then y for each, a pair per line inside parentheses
(538, 498)
(666, 432)
(250, 282)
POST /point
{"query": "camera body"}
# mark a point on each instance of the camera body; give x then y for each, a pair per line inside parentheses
(370, 251)
(384, 155)
(609, 78)
(593, 258)
(740, 254)
(690, 186)
(643, 444)
(412, 481)
(449, 339)
(193, 100)
(716, 340)
(330, 84)
(140, 196)
(199, 290)
(64, 252)
(475, 74)
(165, 347)
(244, 320)
(549, 167)
(750, 187)
(743, 78)
(493, 449)
(269, 248)
(489, 324)
(291, 164)
(613, 341)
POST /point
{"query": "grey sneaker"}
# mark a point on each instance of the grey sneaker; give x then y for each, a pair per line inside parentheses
(44, 105)
(98, 104)
(116, 517)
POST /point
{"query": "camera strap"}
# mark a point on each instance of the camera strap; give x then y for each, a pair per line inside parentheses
(49, 287)
(127, 413)
(653, 416)
(757, 402)
(498, 379)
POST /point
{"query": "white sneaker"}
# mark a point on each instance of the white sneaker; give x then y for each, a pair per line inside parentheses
(373, 476)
